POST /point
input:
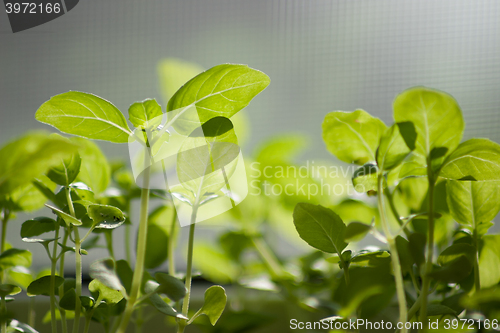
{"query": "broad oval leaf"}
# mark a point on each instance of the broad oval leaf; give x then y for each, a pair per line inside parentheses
(473, 203)
(31, 197)
(41, 286)
(105, 217)
(67, 170)
(145, 114)
(38, 226)
(474, 159)
(8, 289)
(95, 170)
(173, 73)
(355, 231)
(394, 147)
(320, 227)
(170, 286)
(353, 137)
(437, 119)
(489, 260)
(107, 294)
(15, 257)
(159, 224)
(85, 115)
(221, 91)
(29, 157)
(104, 271)
(215, 303)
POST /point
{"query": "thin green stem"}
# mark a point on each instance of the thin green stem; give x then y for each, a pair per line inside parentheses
(141, 253)
(5, 220)
(477, 280)
(78, 264)
(64, 323)
(185, 303)
(171, 244)
(394, 210)
(87, 324)
(4, 315)
(396, 265)
(109, 243)
(430, 247)
(53, 283)
(128, 256)
(31, 312)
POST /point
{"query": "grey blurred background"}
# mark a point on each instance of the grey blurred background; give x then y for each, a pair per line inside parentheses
(321, 56)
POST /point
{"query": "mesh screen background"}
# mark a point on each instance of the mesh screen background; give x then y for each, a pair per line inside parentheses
(321, 56)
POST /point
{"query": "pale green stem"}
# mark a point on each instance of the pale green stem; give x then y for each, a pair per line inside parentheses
(394, 210)
(4, 315)
(109, 242)
(5, 220)
(78, 265)
(64, 323)
(398, 275)
(185, 303)
(171, 245)
(128, 256)
(430, 248)
(141, 254)
(53, 283)
(31, 312)
(477, 280)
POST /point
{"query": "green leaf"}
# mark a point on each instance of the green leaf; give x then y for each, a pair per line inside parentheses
(104, 271)
(366, 258)
(204, 157)
(435, 309)
(454, 271)
(320, 227)
(365, 178)
(214, 264)
(95, 170)
(21, 327)
(164, 308)
(356, 231)
(29, 157)
(67, 170)
(20, 276)
(471, 203)
(145, 114)
(170, 286)
(65, 216)
(30, 198)
(353, 137)
(489, 261)
(68, 301)
(125, 274)
(215, 303)
(85, 115)
(173, 73)
(107, 294)
(437, 119)
(87, 302)
(221, 91)
(41, 286)
(282, 149)
(393, 147)
(15, 257)
(455, 251)
(9, 289)
(404, 253)
(38, 226)
(47, 318)
(474, 159)
(105, 217)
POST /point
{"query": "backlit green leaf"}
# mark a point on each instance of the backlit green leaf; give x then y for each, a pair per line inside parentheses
(105, 293)
(145, 114)
(85, 115)
(95, 170)
(437, 119)
(215, 302)
(67, 170)
(173, 73)
(170, 286)
(159, 224)
(9, 289)
(353, 137)
(105, 217)
(489, 261)
(355, 231)
(394, 147)
(38, 226)
(65, 216)
(320, 227)
(104, 271)
(365, 178)
(15, 257)
(30, 198)
(221, 91)
(29, 157)
(474, 159)
(473, 202)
